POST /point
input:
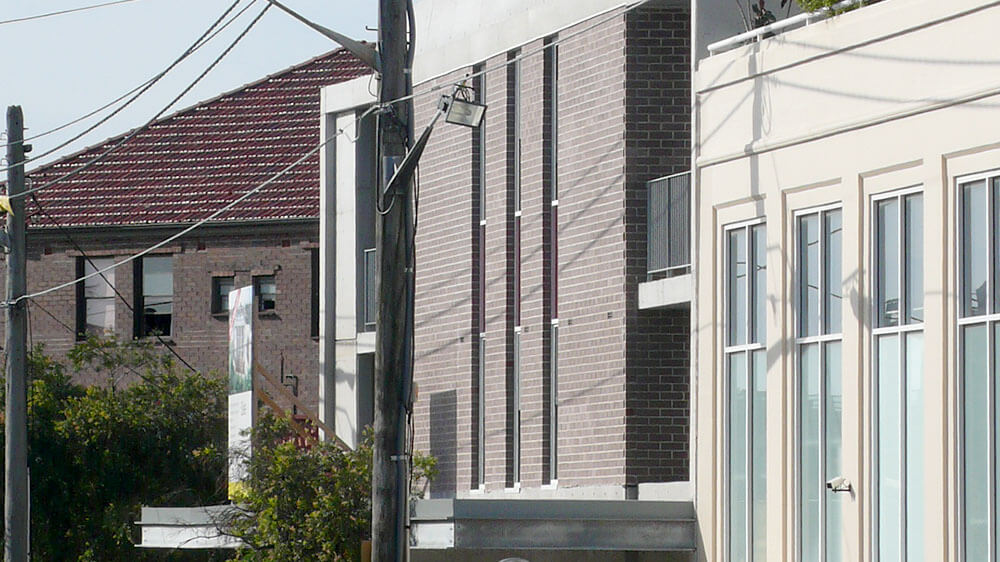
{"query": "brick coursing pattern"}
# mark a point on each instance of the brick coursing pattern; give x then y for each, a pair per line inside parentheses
(622, 372)
(657, 137)
(198, 336)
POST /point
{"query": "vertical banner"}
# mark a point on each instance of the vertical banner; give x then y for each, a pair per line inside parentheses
(241, 399)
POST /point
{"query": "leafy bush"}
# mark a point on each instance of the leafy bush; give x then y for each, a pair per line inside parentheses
(97, 454)
(306, 503)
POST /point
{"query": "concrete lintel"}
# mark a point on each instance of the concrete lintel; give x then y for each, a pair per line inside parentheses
(669, 292)
(344, 96)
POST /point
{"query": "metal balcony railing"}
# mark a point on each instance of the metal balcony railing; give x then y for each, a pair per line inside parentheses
(669, 226)
(370, 290)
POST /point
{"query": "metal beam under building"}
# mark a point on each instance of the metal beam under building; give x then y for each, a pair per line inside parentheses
(609, 525)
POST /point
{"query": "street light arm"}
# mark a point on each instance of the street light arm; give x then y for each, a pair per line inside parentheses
(363, 51)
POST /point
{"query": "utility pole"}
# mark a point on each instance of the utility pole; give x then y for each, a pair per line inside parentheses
(15, 544)
(394, 332)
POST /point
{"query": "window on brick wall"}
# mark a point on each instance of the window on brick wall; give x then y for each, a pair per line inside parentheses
(95, 298)
(479, 282)
(220, 293)
(314, 293)
(154, 296)
(550, 251)
(265, 289)
(514, 148)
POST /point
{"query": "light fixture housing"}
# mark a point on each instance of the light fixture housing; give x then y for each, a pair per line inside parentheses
(465, 113)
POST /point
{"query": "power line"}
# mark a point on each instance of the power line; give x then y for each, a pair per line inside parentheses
(61, 12)
(100, 350)
(107, 281)
(198, 44)
(141, 89)
(375, 107)
(145, 126)
(201, 222)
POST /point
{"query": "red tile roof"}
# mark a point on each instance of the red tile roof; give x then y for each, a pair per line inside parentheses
(192, 163)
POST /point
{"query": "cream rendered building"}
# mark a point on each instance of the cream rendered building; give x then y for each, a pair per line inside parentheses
(848, 287)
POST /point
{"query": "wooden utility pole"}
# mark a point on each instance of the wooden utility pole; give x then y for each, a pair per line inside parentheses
(15, 544)
(393, 335)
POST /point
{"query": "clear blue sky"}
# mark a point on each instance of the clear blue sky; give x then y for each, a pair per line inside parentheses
(65, 66)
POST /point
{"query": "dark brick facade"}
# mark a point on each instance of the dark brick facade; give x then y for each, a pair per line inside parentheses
(623, 111)
(201, 338)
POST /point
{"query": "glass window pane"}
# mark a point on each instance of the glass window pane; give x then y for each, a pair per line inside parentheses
(759, 321)
(996, 420)
(809, 275)
(157, 276)
(812, 482)
(976, 454)
(266, 292)
(99, 285)
(835, 502)
(913, 274)
(887, 263)
(975, 258)
(996, 243)
(100, 316)
(738, 485)
(915, 489)
(759, 457)
(737, 286)
(833, 279)
(889, 463)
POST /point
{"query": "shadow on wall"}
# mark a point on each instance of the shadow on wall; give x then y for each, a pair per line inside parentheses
(444, 442)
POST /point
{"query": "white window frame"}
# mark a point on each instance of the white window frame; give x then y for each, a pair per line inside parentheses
(748, 349)
(901, 330)
(821, 339)
(989, 321)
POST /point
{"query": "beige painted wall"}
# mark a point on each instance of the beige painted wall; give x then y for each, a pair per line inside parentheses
(895, 95)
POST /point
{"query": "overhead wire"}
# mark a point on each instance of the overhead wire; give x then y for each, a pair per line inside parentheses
(215, 214)
(100, 350)
(198, 45)
(141, 89)
(65, 232)
(145, 126)
(62, 12)
(378, 107)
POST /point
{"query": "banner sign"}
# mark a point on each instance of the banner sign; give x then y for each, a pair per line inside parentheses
(241, 398)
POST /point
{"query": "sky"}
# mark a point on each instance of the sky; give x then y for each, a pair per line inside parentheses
(62, 67)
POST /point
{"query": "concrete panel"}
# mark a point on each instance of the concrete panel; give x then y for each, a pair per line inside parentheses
(671, 291)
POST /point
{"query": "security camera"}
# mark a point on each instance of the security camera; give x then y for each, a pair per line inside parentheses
(838, 484)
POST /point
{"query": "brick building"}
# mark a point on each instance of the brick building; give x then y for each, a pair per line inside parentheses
(552, 358)
(181, 170)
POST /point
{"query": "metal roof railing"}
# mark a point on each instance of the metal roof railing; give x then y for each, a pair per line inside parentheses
(777, 27)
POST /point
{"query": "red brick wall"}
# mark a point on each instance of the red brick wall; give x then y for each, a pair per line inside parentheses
(198, 336)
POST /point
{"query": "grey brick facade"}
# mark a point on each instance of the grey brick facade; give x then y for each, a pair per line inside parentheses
(623, 119)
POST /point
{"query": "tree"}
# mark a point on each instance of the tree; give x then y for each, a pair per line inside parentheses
(97, 454)
(311, 503)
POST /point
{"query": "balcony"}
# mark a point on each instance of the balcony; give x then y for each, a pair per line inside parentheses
(795, 21)
(668, 250)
